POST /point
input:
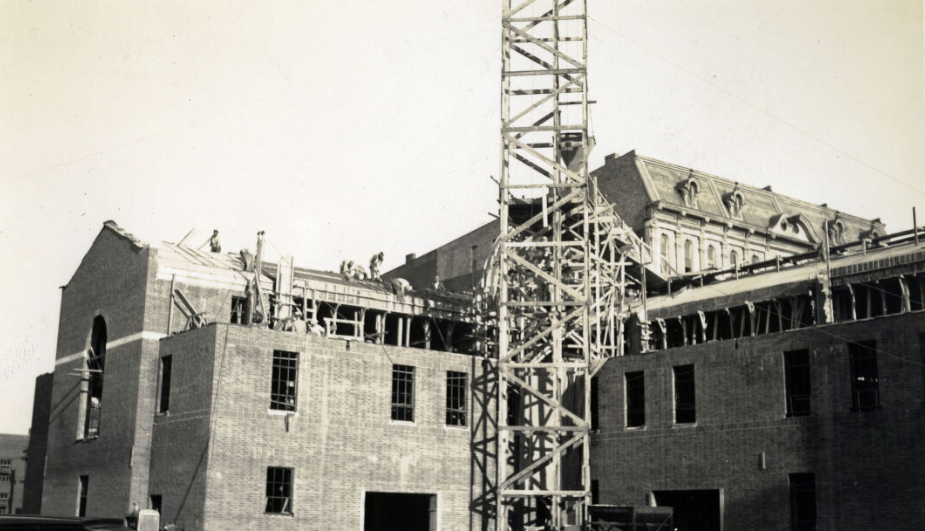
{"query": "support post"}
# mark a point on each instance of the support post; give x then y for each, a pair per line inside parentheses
(173, 280)
(915, 228)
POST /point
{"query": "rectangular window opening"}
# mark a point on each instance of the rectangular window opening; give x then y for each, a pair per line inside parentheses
(95, 367)
(285, 380)
(685, 405)
(155, 502)
(82, 487)
(865, 380)
(399, 511)
(802, 502)
(635, 399)
(279, 490)
(163, 389)
(456, 387)
(403, 393)
(798, 383)
(238, 305)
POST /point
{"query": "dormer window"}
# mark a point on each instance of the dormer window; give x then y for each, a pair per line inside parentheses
(836, 232)
(795, 227)
(734, 202)
(689, 190)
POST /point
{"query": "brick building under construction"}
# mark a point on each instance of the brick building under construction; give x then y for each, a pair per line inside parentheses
(643, 346)
(779, 394)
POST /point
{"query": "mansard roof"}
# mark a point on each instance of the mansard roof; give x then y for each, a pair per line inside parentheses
(664, 185)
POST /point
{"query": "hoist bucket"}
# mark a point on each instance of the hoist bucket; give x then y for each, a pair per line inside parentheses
(570, 149)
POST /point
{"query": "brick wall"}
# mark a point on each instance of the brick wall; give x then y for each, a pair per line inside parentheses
(452, 261)
(341, 444)
(866, 464)
(180, 438)
(110, 282)
(38, 444)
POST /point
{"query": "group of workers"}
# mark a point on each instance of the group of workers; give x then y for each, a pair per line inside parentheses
(349, 270)
(297, 323)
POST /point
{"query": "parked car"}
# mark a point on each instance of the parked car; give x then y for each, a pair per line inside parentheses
(60, 523)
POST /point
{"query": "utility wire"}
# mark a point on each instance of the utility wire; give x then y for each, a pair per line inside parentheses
(750, 104)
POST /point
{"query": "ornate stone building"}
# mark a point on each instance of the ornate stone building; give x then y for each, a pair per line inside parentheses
(697, 221)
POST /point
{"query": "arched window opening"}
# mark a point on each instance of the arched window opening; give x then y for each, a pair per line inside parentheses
(96, 363)
(755, 259)
(663, 248)
(688, 256)
(711, 256)
(733, 258)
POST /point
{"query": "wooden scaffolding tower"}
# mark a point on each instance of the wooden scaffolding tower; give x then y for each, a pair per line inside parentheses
(557, 283)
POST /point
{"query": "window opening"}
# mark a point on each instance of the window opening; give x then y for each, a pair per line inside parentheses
(82, 487)
(279, 490)
(456, 387)
(663, 247)
(163, 392)
(684, 395)
(635, 399)
(803, 502)
(285, 379)
(865, 380)
(399, 511)
(711, 256)
(688, 256)
(96, 362)
(155, 502)
(733, 258)
(403, 393)
(692, 510)
(798, 383)
(237, 309)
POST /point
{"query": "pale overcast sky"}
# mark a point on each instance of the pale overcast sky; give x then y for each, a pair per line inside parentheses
(346, 128)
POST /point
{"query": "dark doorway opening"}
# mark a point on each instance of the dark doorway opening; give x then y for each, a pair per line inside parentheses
(694, 510)
(398, 511)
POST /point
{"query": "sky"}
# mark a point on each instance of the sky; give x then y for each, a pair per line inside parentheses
(347, 128)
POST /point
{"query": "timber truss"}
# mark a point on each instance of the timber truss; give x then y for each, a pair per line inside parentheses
(557, 282)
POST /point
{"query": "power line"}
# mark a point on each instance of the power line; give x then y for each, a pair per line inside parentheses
(750, 104)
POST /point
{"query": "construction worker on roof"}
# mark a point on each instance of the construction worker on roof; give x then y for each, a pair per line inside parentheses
(215, 245)
(374, 264)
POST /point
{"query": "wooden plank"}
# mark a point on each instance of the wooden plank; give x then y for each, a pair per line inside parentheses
(557, 53)
(544, 275)
(539, 394)
(525, 472)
